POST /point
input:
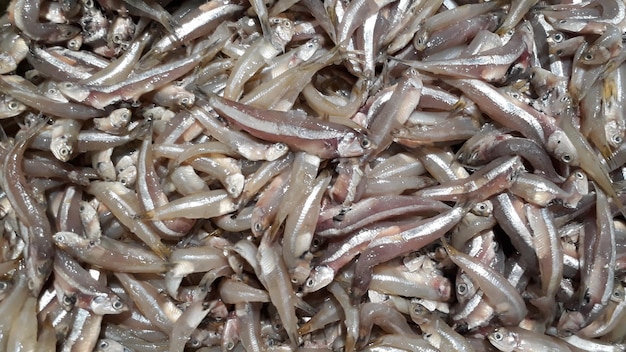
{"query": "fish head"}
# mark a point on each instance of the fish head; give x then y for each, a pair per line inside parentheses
(471, 153)
(64, 239)
(618, 294)
(570, 323)
(503, 339)
(420, 41)
(119, 118)
(484, 208)
(561, 147)
(308, 49)
(276, 151)
(7, 63)
(184, 99)
(38, 272)
(465, 288)
(577, 185)
(107, 304)
(61, 149)
(74, 91)
(319, 278)
(282, 31)
(354, 144)
(10, 108)
(109, 345)
(614, 133)
(433, 338)
(419, 313)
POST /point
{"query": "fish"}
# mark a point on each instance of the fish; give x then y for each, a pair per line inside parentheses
(370, 175)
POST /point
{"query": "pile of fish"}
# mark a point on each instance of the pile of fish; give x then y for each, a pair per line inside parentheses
(306, 175)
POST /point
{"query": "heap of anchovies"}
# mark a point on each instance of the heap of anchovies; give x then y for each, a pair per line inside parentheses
(306, 175)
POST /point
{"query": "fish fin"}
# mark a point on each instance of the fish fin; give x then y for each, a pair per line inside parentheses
(4, 138)
(170, 24)
(162, 251)
(448, 247)
(148, 215)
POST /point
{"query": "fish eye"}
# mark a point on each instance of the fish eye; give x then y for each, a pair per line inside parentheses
(365, 143)
(309, 283)
(316, 243)
(497, 335)
(616, 294)
(103, 344)
(418, 309)
(42, 269)
(258, 227)
(3, 285)
(588, 57)
(566, 158)
(587, 298)
(194, 342)
(118, 305)
(563, 21)
(616, 139)
(579, 175)
(73, 44)
(12, 105)
(230, 345)
(68, 84)
(461, 289)
(558, 37)
(69, 300)
(427, 335)
(117, 39)
(280, 146)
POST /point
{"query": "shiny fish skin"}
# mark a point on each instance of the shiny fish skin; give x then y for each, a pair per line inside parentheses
(23, 91)
(281, 175)
(325, 139)
(507, 302)
(30, 212)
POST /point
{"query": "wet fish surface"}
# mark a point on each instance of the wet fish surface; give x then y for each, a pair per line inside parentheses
(283, 175)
